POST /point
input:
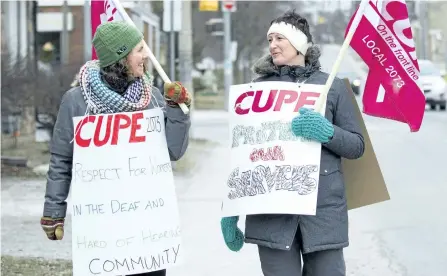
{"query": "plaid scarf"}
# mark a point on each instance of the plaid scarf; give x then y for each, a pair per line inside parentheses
(100, 99)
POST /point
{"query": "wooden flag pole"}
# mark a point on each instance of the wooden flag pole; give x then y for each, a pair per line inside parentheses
(341, 54)
(154, 61)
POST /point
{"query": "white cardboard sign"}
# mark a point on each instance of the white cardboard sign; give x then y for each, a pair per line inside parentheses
(271, 171)
(125, 214)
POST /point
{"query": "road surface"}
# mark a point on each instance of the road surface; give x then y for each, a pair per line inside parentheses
(403, 236)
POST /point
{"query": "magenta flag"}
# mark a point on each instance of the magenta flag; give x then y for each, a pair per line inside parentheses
(384, 40)
(103, 11)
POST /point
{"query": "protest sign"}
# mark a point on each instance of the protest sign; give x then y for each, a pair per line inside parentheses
(125, 215)
(271, 170)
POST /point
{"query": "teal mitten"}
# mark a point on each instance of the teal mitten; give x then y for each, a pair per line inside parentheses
(311, 125)
(233, 236)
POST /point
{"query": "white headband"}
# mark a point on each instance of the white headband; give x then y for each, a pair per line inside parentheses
(295, 36)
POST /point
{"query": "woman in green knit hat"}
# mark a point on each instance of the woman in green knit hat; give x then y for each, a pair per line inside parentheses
(117, 82)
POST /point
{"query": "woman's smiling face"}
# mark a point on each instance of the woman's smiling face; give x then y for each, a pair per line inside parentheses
(136, 59)
(282, 52)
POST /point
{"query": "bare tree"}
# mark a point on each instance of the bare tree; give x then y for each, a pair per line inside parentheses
(334, 27)
(52, 88)
(26, 90)
(17, 85)
(198, 22)
(250, 23)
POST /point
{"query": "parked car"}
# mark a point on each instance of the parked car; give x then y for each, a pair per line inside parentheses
(433, 84)
(353, 78)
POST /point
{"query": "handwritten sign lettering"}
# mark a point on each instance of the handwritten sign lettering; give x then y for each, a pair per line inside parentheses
(271, 169)
(151, 262)
(124, 206)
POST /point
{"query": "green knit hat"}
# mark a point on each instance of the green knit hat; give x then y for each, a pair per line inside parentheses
(114, 41)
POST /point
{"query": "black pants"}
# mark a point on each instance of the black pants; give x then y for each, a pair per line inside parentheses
(155, 273)
(275, 262)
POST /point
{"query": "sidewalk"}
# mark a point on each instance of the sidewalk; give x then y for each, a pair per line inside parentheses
(368, 254)
(199, 115)
(199, 205)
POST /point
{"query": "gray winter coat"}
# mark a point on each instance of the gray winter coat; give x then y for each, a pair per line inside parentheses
(177, 126)
(328, 229)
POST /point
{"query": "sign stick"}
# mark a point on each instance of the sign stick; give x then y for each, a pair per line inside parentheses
(155, 62)
(341, 54)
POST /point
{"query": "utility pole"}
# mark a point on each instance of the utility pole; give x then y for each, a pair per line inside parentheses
(172, 42)
(444, 38)
(19, 35)
(32, 42)
(172, 23)
(228, 68)
(87, 32)
(424, 28)
(185, 48)
(64, 40)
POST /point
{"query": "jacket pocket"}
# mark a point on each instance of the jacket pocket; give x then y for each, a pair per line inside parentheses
(331, 187)
(327, 171)
(271, 228)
